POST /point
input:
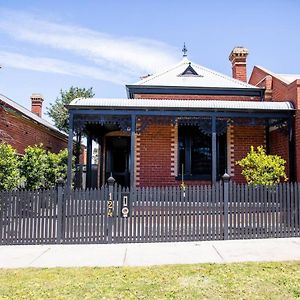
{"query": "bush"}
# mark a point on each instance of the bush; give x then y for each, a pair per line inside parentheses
(36, 169)
(56, 168)
(262, 169)
(9, 167)
(33, 167)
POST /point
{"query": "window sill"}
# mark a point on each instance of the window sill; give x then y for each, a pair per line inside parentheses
(194, 177)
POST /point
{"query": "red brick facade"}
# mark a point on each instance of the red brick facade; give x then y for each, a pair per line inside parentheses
(21, 132)
(279, 90)
(156, 157)
(245, 137)
(278, 145)
(156, 154)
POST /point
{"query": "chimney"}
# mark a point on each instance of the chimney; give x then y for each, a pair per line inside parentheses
(238, 57)
(37, 104)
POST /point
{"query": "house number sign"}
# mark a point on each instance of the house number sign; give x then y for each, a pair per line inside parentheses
(110, 205)
(125, 209)
(125, 205)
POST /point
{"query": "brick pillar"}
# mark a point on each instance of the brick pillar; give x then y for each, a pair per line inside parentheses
(238, 58)
(37, 104)
(268, 86)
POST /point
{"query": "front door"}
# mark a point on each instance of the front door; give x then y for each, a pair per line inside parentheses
(117, 159)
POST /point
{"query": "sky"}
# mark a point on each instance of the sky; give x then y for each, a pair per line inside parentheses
(46, 46)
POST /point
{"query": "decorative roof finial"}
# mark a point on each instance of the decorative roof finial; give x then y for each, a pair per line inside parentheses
(184, 50)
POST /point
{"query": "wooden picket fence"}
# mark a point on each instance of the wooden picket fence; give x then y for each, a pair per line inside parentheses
(113, 214)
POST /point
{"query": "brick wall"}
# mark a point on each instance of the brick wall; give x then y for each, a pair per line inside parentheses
(296, 159)
(155, 157)
(245, 137)
(279, 145)
(20, 133)
(279, 88)
(156, 151)
(282, 91)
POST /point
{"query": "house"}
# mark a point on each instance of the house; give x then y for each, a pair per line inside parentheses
(21, 127)
(281, 87)
(185, 123)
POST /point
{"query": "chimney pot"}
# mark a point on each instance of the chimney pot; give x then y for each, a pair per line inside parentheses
(238, 59)
(37, 104)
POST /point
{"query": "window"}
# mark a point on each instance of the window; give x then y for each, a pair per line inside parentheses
(195, 153)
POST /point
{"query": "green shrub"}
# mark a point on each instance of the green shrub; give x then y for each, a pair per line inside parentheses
(56, 168)
(260, 168)
(33, 167)
(9, 167)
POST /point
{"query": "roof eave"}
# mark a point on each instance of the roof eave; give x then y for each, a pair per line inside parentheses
(139, 108)
(160, 89)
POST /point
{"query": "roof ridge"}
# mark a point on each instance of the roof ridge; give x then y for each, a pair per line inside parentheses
(272, 73)
(224, 76)
(158, 74)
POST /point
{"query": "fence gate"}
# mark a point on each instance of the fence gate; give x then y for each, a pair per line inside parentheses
(118, 215)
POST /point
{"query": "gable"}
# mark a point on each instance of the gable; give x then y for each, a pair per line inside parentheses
(189, 74)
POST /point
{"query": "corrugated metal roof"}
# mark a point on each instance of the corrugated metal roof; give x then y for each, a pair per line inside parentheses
(123, 103)
(207, 78)
(287, 78)
(24, 111)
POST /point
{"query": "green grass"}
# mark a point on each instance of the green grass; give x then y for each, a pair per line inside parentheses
(206, 281)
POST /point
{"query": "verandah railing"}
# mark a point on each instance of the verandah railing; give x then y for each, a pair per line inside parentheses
(155, 214)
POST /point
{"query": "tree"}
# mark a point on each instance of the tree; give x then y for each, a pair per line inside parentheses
(260, 168)
(33, 166)
(59, 113)
(9, 167)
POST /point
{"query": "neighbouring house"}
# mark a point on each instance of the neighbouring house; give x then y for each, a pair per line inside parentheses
(187, 123)
(281, 87)
(21, 127)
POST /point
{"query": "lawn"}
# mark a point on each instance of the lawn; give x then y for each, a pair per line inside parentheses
(210, 281)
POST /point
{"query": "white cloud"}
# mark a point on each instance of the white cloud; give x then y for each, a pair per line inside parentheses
(127, 56)
(50, 65)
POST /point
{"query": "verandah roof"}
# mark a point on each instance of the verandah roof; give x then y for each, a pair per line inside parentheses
(163, 104)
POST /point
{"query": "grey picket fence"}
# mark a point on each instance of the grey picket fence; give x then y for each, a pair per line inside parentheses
(113, 214)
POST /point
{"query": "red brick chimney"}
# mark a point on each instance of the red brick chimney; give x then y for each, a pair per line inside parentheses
(37, 104)
(238, 58)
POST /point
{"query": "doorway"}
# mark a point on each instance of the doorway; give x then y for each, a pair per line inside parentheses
(117, 159)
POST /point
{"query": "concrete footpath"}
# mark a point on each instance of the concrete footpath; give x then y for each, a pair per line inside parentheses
(149, 254)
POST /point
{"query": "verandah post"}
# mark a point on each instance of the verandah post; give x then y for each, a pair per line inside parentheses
(132, 151)
(60, 188)
(89, 145)
(70, 152)
(226, 179)
(214, 150)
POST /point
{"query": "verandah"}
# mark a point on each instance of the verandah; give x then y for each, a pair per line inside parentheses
(213, 118)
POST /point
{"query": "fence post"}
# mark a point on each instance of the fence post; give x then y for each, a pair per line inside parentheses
(110, 207)
(59, 188)
(226, 179)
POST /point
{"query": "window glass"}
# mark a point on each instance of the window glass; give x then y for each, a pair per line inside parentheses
(195, 152)
(200, 154)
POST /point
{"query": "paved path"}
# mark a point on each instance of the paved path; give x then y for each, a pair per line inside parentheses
(149, 254)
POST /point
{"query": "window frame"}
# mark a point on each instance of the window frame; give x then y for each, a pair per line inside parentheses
(188, 157)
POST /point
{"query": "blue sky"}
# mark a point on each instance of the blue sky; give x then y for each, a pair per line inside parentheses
(46, 46)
